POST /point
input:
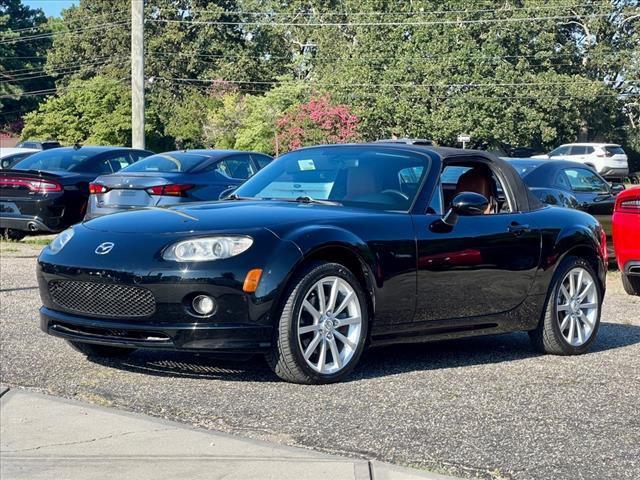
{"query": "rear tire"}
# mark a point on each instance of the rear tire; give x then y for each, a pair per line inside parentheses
(12, 235)
(324, 318)
(631, 284)
(570, 323)
(105, 351)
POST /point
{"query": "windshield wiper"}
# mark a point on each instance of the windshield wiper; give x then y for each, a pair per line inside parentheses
(235, 196)
(308, 199)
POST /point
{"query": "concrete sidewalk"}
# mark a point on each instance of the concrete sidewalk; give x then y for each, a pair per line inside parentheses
(44, 437)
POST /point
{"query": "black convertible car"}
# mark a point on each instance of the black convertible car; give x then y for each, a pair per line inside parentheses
(326, 251)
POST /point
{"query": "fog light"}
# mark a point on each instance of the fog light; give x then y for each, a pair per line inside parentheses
(203, 305)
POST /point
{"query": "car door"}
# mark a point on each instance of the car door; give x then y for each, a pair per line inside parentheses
(483, 265)
(577, 153)
(593, 194)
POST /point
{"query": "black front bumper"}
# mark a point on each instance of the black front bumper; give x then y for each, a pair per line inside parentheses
(179, 336)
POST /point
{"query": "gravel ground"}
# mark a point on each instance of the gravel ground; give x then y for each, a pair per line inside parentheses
(487, 407)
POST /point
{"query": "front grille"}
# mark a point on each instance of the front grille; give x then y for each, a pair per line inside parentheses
(102, 299)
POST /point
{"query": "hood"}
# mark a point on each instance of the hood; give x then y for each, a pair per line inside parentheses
(231, 216)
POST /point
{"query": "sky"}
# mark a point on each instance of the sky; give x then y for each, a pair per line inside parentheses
(52, 8)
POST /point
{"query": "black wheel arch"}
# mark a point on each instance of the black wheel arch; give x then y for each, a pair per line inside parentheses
(352, 254)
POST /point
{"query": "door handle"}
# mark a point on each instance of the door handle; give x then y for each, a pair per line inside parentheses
(518, 229)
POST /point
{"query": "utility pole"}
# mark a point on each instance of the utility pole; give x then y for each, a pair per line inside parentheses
(137, 74)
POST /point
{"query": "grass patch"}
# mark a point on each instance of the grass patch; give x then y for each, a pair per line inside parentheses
(40, 241)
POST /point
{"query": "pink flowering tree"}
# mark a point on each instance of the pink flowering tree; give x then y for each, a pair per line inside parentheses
(316, 122)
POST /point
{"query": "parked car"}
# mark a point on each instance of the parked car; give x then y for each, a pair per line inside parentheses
(626, 238)
(39, 145)
(608, 159)
(327, 250)
(47, 191)
(173, 177)
(572, 185)
(11, 156)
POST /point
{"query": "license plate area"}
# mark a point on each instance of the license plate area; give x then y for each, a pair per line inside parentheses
(125, 198)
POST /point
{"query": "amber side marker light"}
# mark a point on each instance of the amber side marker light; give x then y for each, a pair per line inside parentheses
(251, 281)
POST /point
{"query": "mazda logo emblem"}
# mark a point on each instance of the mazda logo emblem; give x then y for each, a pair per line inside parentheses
(104, 248)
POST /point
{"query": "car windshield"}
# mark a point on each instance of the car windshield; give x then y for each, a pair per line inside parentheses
(55, 159)
(168, 162)
(378, 178)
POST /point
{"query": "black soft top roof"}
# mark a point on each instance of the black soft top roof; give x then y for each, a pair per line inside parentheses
(525, 200)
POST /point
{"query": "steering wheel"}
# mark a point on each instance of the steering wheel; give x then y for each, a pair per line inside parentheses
(397, 193)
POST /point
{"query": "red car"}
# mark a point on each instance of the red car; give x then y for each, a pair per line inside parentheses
(626, 238)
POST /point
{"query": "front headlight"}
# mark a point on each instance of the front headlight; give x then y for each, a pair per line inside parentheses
(61, 240)
(207, 249)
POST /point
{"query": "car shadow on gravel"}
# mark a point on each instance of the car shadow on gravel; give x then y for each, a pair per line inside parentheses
(377, 362)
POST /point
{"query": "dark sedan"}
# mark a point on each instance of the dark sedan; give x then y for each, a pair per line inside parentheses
(328, 250)
(173, 177)
(47, 191)
(572, 185)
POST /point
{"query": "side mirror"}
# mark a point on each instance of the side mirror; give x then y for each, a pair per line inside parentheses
(465, 204)
(616, 188)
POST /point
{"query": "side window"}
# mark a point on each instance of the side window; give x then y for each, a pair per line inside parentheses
(449, 185)
(261, 160)
(578, 150)
(585, 180)
(119, 161)
(239, 167)
(559, 151)
(562, 181)
(99, 166)
(135, 156)
(589, 150)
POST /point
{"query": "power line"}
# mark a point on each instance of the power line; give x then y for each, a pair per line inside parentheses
(397, 13)
(391, 85)
(47, 91)
(456, 95)
(29, 70)
(55, 34)
(46, 25)
(377, 24)
(62, 71)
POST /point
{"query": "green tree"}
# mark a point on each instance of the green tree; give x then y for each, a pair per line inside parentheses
(96, 111)
(23, 46)
(259, 130)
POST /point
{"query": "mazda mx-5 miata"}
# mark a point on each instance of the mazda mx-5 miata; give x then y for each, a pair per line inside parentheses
(329, 250)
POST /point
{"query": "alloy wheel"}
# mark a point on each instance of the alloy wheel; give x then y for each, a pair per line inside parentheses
(577, 306)
(329, 325)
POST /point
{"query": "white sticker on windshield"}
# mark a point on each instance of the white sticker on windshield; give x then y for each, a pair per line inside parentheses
(306, 165)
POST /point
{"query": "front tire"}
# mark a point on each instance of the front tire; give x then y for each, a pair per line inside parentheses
(322, 326)
(631, 284)
(105, 351)
(572, 310)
